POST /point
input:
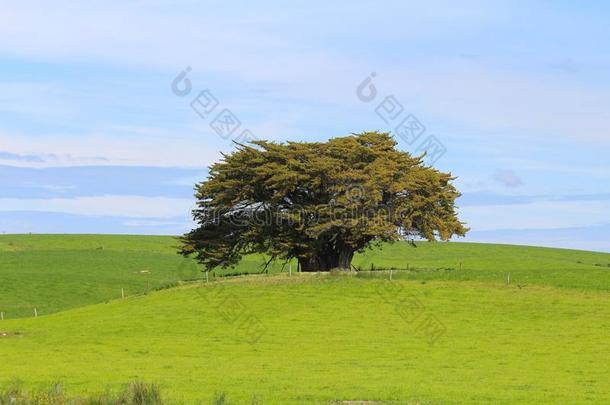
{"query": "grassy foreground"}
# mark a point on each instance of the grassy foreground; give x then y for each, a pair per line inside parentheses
(57, 272)
(450, 330)
(320, 338)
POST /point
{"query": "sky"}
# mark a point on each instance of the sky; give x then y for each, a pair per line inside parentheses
(111, 111)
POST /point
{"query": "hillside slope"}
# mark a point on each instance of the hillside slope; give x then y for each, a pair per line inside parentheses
(320, 338)
(56, 272)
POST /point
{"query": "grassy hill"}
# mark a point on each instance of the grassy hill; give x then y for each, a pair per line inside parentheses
(449, 330)
(56, 272)
(325, 338)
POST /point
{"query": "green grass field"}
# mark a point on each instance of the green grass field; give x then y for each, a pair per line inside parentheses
(435, 334)
(56, 272)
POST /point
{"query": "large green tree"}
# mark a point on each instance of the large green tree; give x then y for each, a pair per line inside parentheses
(318, 202)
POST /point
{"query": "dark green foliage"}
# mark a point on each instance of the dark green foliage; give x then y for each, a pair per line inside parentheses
(318, 202)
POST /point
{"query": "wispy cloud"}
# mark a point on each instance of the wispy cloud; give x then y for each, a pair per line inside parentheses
(536, 215)
(138, 223)
(580, 168)
(56, 222)
(7, 156)
(112, 206)
(81, 87)
(491, 198)
(475, 94)
(91, 181)
(595, 237)
(485, 99)
(507, 178)
(109, 149)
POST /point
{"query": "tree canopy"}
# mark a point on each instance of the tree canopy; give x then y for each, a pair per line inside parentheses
(318, 202)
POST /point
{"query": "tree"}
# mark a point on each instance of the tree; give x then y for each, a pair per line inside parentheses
(318, 202)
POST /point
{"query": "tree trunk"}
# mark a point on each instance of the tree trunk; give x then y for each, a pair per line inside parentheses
(311, 264)
(327, 261)
(345, 259)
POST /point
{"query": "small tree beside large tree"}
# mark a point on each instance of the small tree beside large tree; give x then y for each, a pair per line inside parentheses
(318, 202)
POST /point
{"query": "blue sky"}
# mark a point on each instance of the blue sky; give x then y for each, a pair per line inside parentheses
(93, 139)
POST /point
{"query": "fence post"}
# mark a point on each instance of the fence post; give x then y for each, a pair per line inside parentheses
(206, 277)
(390, 274)
(122, 293)
(508, 279)
(290, 270)
(1, 316)
(35, 313)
